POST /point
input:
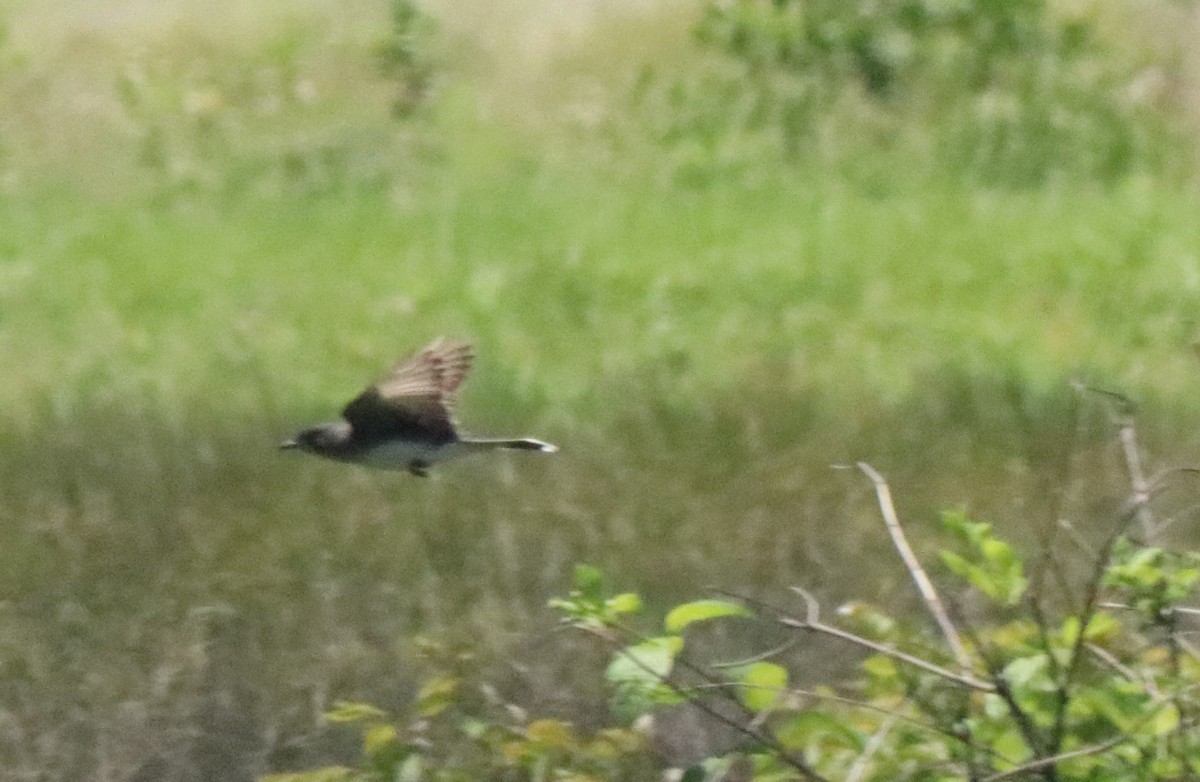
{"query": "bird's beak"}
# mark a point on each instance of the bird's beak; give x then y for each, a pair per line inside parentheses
(288, 444)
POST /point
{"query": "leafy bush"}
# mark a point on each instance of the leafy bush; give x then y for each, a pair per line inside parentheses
(459, 728)
(1108, 691)
(207, 116)
(404, 57)
(1055, 676)
(1006, 92)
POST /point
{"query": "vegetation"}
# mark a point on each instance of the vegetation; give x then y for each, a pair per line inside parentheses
(215, 225)
(1106, 691)
(1009, 93)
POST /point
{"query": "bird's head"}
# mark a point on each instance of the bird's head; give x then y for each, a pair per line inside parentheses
(319, 439)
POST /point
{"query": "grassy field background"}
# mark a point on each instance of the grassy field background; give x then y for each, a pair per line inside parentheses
(213, 231)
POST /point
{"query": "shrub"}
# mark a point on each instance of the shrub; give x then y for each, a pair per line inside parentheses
(404, 57)
(1058, 677)
(1002, 92)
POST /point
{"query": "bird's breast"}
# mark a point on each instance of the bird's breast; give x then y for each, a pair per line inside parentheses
(399, 454)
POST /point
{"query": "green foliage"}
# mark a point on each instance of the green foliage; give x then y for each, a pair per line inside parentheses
(639, 676)
(1152, 579)
(405, 58)
(700, 611)
(250, 215)
(760, 685)
(1010, 92)
(587, 604)
(1091, 698)
(457, 728)
(991, 565)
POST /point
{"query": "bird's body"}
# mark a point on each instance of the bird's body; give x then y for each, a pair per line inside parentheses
(405, 421)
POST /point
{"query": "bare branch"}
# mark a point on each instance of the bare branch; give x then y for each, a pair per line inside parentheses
(1041, 763)
(842, 700)
(1088, 610)
(1188, 649)
(757, 658)
(1078, 539)
(924, 585)
(813, 623)
(1120, 411)
(860, 763)
(851, 703)
(1137, 478)
(1184, 610)
(1106, 657)
(1109, 659)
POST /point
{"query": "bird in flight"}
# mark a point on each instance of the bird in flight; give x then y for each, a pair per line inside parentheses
(405, 421)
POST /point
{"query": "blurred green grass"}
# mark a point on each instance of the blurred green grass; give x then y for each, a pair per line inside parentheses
(181, 287)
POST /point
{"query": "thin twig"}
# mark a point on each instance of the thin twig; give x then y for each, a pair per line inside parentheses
(1047, 566)
(1121, 409)
(1086, 612)
(1042, 763)
(754, 601)
(812, 622)
(841, 700)
(1184, 513)
(1076, 537)
(889, 715)
(928, 593)
(1184, 610)
(1109, 659)
(757, 658)
(1137, 478)
(864, 758)
(1043, 631)
(1190, 650)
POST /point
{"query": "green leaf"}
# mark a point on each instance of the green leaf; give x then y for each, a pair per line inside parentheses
(956, 522)
(994, 706)
(637, 673)
(589, 581)
(994, 569)
(882, 677)
(702, 610)
(1166, 767)
(866, 619)
(760, 684)
(1010, 744)
(436, 695)
(352, 711)
(1026, 671)
(1069, 633)
(1123, 704)
(1166, 720)
(649, 661)
(474, 728)
(958, 564)
(880, 667)
(380, 739)
(624, 603)
(800, 732)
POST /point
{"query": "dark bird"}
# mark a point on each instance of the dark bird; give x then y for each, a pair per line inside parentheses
(405, 421)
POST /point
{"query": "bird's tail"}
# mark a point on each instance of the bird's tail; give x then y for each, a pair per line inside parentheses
(512, 444)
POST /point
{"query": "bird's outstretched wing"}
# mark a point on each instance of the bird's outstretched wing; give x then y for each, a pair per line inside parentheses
(417, 397)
